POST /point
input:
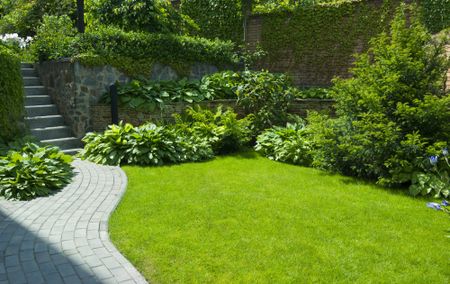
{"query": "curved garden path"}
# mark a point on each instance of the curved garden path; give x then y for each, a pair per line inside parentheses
(64, 238)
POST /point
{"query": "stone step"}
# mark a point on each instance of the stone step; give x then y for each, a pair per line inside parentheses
(48, 133)
(38, 100)
(31, 81)
(26, 65)
(29, 72)
(35, 90)
(64, 143)
(45, 121)
(41, 110)
(72, 152)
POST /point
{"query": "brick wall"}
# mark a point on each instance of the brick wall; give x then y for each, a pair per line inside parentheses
(101, 114)
(307, 71)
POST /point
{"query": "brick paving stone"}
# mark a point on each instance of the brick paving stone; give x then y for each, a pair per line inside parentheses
(63, 238)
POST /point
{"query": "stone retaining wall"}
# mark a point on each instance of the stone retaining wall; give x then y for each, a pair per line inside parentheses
(101, 114)
(74, 87)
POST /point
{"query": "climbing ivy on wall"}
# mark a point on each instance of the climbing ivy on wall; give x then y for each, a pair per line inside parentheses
(436, 14)
(322, 38)
(11, 94)
(216, 18)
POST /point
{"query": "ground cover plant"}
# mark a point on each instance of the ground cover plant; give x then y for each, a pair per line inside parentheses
(247, 219)
(28, 170)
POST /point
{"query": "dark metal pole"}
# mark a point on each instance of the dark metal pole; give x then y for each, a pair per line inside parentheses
(114, 104)
(80, 16)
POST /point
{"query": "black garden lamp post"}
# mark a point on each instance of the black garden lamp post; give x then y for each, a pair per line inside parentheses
(80, 16)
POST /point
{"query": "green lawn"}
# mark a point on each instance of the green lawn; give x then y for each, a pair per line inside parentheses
(246, 219)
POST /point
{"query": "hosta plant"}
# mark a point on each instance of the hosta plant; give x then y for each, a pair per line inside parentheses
(148, 144)
(33, 171)
(224, 131)
(290, 144)
(155, 95)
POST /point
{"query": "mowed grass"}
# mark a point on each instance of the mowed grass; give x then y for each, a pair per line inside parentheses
(246, 219)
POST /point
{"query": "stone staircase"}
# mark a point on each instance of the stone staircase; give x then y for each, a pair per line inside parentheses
(42, 116)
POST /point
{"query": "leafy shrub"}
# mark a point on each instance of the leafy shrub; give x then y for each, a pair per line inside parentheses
(265, 95)
(33, 171)
(145, 145)
(290, 144)
(393, 113)
(150, 95)
(24, 16)
(147, 15)
(221, 85)
(11, 95)
(54, 38)
(224, 131)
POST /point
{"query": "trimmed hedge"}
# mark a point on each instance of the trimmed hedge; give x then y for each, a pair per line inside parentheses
(11, 95)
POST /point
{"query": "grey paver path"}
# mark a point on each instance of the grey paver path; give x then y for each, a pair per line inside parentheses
(64, 238)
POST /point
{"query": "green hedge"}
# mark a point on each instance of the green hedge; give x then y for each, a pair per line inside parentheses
(132, 52)
(11, 94)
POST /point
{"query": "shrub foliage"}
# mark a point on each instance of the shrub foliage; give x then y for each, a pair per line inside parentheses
(33, 171)
(290, 144)
(147, 15)
(11, 95)
(393, 113)
(195, 137)
(132, 52)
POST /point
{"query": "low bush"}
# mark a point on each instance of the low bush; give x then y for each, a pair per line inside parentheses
(148, 144)
(55, 38)
(224, 131)
(265, 95)
(290, 144)
(11, 95)
(33, 171)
